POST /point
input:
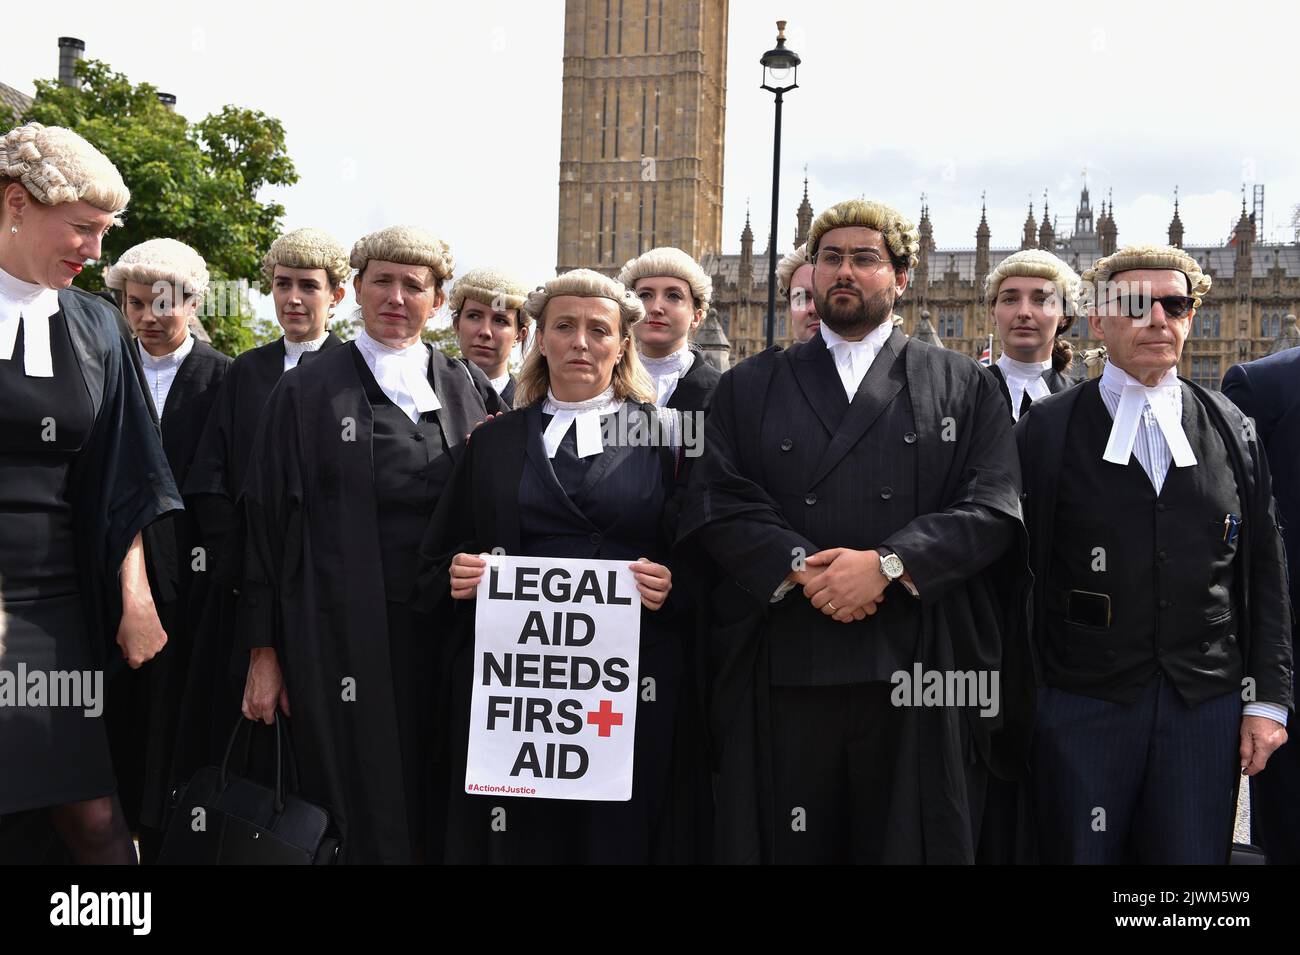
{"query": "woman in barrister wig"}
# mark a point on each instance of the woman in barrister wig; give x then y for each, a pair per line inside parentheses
(82, 474)
(161, 284)
(306, 271)
(1033, 297)
(352, 455)
(542, 482)
(488, 317)
(676, 294)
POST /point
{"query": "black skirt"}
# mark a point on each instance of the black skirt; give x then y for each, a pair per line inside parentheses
(50, 754)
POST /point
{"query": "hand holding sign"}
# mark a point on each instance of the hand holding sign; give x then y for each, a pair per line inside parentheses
(466, 572)
(653, 582)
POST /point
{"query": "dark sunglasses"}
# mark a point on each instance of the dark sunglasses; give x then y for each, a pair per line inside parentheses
(1139, 306)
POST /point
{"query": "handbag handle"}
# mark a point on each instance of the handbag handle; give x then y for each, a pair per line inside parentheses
(245, 727)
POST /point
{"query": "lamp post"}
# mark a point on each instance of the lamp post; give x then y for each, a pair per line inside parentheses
(780, 75)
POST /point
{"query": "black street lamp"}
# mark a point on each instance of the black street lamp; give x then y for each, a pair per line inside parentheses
(780, 75)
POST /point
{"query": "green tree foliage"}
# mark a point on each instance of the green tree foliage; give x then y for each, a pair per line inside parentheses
(196, 182)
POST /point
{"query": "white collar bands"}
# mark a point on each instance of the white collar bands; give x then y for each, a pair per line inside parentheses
(293, 351)
(402, 373)
(587, 416)
(1023, 377)
(33, 305)
(173, 357)
(667, 371)
(1165, 401)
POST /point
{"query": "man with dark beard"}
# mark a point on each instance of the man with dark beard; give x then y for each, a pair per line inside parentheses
(852, 462)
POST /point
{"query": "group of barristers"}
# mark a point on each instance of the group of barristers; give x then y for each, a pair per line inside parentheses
(862, 508)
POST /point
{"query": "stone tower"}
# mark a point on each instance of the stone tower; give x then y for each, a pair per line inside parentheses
(642, 127)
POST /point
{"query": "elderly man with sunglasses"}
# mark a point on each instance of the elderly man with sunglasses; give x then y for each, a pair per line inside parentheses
(1160, 606)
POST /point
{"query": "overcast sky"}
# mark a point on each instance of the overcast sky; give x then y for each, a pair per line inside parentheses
(447, 115)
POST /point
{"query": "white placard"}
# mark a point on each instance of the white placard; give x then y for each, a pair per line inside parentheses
(553, 713)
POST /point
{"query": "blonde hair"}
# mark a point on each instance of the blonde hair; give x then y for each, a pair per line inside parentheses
(159, 260)
(630, 379)
(490, 287)
(791, 263)
(308, 249)
(55, 165)
(1133, 257)
(406, 245)
(901, 235)
(669, 262)
(1035, 264)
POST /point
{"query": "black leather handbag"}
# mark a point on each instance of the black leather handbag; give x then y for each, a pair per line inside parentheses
(223, 818)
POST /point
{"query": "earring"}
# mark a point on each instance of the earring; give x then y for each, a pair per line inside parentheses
(13, 229)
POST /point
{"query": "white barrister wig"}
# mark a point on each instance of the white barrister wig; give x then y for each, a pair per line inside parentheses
(669, 262)
(630, 379)
(585, 283)
(308, 249)
(57, 166)
(1133, 257)
(159, 260)
(790, 263)
(491, 287)
(406, 245)
(1035, 264)
(901, 235)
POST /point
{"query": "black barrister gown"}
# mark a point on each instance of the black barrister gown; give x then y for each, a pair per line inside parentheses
(972, 614)
(318, 583)
(506, 493)
(219, 662)
(105, 480)
(146, 702)
(692, 581)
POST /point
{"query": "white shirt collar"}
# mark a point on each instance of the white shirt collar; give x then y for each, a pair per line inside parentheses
(33, 305)
(667, 371)
(853, 359)
(586, 414)
(173, 357)
(1165, 401)
(1023, 377)
(293, 351)
(499, 384)
(402, 374)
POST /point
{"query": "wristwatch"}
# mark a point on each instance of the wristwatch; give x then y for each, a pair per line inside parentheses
(891, 565)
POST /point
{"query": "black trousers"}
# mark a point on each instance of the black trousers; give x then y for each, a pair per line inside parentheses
(834, 749)
(1152, 782)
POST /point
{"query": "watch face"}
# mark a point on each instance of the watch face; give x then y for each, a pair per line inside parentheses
(892, 566)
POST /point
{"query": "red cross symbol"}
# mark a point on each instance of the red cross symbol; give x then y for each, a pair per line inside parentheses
(605, 717)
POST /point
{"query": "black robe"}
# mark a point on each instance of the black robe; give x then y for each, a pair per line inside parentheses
(508, 393)
(1260, 601)
(118, 486)
(219, 662)
(121, 482)
(974, 622)
(481, 510)
(145, 703)
(1056, 383)
(313, 586)
(694, 389)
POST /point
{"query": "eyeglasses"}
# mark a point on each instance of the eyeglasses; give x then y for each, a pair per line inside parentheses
(830, 261)
(1140, 306)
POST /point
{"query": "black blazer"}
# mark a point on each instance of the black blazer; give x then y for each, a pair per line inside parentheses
(1260, 600)
(1268, 390)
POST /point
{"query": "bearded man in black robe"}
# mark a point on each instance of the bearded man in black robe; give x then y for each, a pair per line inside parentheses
(860, 492)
